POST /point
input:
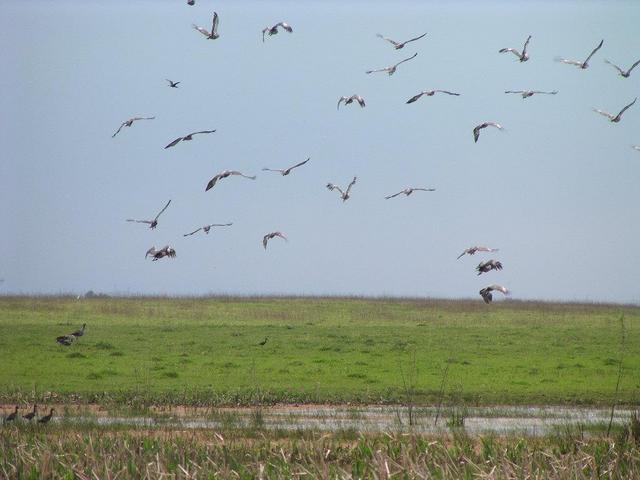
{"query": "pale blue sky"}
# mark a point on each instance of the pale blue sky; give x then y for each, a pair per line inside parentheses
(557, 192)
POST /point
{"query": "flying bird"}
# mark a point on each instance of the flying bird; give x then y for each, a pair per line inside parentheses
(476, 130)
(274, 30)
(636, 147)
(29, 416)
(269, 236)
(187, 138)
(128, 123)
(584, 64)
(408, 191)
(346, 194)
(622, 72)
(473, 250)
(191, 2)
(430, 93)
(206, 228)
(214, 28)
(348, 100)
(65, 340)
(524, 56)
(225, 174)
(152, 223)
(79, 332)
(286, 171)
(46, 418)
(172, 84)
(399, 45)
(618, 117)
(12, 416)
(165, 251)
(392, 69)
(487, 266)
(486, 295)
(530, 93)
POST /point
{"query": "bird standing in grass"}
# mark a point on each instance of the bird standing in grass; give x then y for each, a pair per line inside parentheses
(12, 416)
(262, 343)
(46, 418)
(29, 416)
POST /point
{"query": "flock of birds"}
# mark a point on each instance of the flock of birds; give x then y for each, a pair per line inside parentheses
(14, 416)
(345, 193)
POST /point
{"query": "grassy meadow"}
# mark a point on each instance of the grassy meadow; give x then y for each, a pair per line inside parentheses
(206, 351)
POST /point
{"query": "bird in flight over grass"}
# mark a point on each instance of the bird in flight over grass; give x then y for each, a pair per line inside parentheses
(187, 138)
(473, 250)
(286, 171)
(618, 117)
(206, 228)
(225, 174)
(172, 84)
(274, 30)
(152, 223)
(128, 123)
(399, 45)
(430, 93)
(271, 235)
(486, 295)
(348, 100)
(623, 73)
(487, 266)
(476, 130)
(392, 69)
(165, 251)
(524, 56)
(213, 34)
(345, 195)
(584, 64)
(530, 93)
(409, 190)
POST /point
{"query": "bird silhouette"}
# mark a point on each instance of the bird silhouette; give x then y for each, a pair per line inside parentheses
(618, 117)
(621, 72)
(582, 65)
(392, 69)
(271, 235)
(213, 34)
(286, 171)
(172, 84)
(524, 56)
(165, 251)
(476, 130)
(12, 416)
(408, 191)
(187, 138)
(152, 223)
(29, 416)
(486, 295)
(274, 30)
(349, 100)
(530, 93)
(473, 250)
(487, 266)
(128, 123)
(225, 174)
(399, 45)
(46, 418)
(206, 228)
(430, 93)
(345, 195)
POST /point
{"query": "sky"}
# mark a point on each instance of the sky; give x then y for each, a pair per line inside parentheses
(557, 191)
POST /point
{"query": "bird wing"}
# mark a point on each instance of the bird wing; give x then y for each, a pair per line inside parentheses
(614, 66)
(299, 164)
(568, 62)
(212, 182)
(360, 100)
(515, 91)
(633, 66)
(493, 124)
(220, 225)
(386, 69)
(594, 51)
(394, 195)
(353, 182)
(272, 170)
(393, 42)
(214, 24)
(201, 131)
(264, 30)
(416, 38)
(119, 128)
(139, 221)
(151, 251)
(499, 288)
(195, 231)
(342, 99)
(512, 50)
(333, 187)
(407, 59)
(203, 31)
(476, 132)
(415, 97)
(448, 92)
(425, 189)
(546, 93)
(165, 207)
(606, 114)
(281, 235)
(625, 108)
(526, 44)
(285, 25)
(174, 143)
(235, 172)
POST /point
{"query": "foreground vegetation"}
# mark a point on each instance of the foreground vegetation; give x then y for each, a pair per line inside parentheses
(206, 351)
(61, 451)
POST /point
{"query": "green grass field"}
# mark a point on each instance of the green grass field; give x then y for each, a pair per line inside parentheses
(319, 350)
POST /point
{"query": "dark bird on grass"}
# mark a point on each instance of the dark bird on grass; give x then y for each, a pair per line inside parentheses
(488, 265)
(128, 123)
(486, 295)
(187, 138)
(165, 251)
(473, 250)
(345, 195)
(206, 228)
(524, 56)
(392, 69)
(476, 130)
(271, 235)
(274, 30)
(409, 190)
(65, 340)
(584, 64)
(46, 418)
(29, 416)
(618, 117)
(225, 174)
(152, 223)
(530, 93)
(430, 93)
(214, 28)
(622, 73)
(261, 343)
(172, 84)
(348, 100)
(79, 332)
(286, 171)
(12, 416)
(399, 45)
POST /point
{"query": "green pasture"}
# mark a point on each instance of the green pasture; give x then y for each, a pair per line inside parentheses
(205, 350)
